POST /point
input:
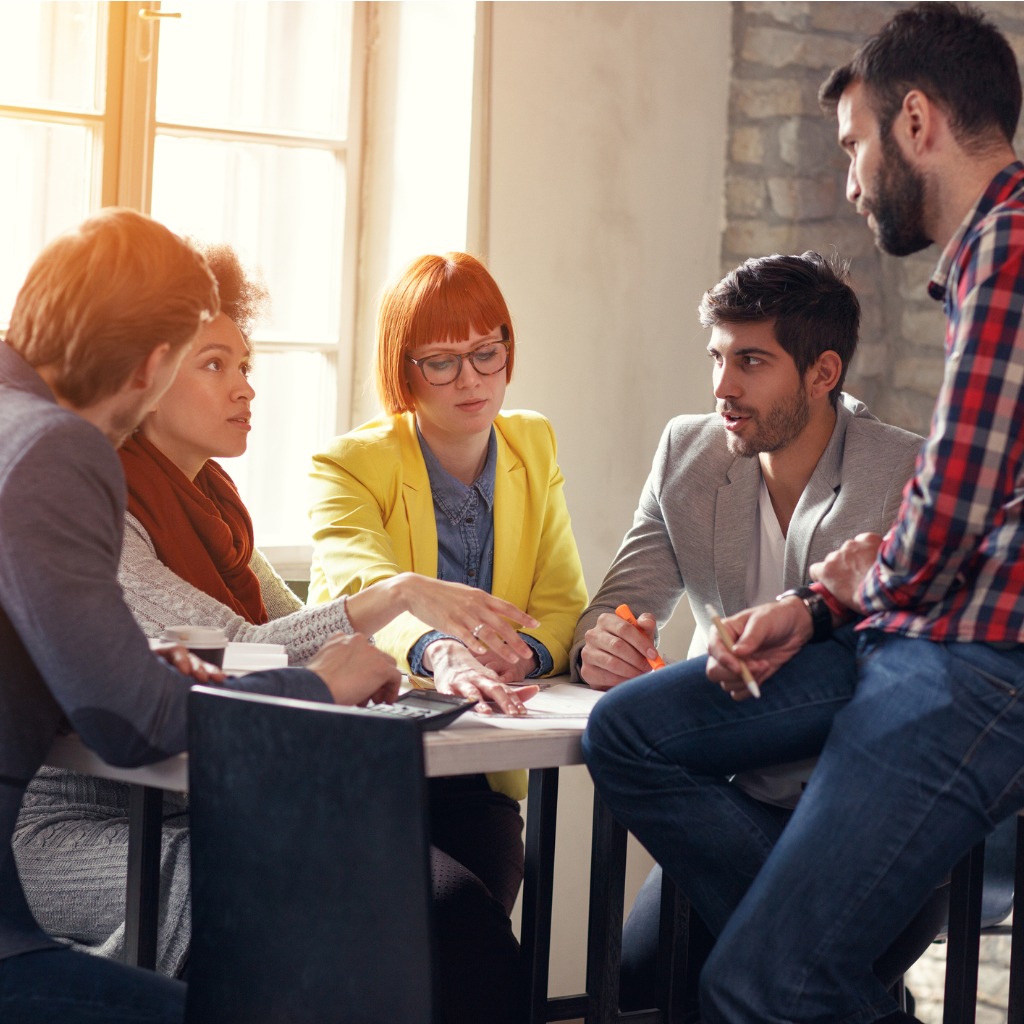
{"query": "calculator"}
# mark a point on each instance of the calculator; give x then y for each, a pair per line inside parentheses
(428, 708)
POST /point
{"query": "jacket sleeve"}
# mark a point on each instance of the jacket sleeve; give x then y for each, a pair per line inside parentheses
(58, 585)
(645, 572)
(902, 472)
(351, 502)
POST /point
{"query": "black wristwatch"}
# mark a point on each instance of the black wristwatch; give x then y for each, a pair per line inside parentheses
(821, 617)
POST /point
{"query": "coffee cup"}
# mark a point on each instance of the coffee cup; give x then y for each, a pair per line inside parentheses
(206, 642)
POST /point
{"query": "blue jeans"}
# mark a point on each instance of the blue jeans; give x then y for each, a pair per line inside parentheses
(921, 754)
(77, 988)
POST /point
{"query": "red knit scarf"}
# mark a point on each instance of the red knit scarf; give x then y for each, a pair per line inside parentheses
(201, 531)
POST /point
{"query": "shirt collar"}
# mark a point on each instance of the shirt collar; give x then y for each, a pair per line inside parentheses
(1007, 182)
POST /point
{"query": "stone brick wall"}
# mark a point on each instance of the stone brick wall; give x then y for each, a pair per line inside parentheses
(785, 188)
(785, 192)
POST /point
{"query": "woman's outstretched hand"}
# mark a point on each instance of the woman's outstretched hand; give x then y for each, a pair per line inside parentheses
(484, 623)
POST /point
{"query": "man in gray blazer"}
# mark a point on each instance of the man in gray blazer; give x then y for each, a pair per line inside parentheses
(787, 461)
(739, 503)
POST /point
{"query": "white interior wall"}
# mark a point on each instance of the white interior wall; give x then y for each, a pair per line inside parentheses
(606, 139)
(599, 159)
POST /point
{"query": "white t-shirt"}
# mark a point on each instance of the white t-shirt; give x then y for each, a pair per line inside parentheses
(783, 784)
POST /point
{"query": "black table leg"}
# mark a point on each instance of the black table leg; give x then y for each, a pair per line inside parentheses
(142, 899)
(683, 945)
(538, 883)
(607, 893)
(960, 1001)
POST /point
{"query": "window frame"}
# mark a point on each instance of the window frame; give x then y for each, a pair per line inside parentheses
(124, 134)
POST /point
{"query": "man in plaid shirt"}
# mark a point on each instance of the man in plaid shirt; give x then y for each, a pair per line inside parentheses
(903, 664)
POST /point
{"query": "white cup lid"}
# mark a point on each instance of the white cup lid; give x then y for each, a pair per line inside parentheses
(196, 636)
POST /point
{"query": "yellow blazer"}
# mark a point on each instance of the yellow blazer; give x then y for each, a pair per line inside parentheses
(373, 517)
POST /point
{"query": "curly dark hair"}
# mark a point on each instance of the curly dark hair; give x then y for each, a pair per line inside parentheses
(243, 296)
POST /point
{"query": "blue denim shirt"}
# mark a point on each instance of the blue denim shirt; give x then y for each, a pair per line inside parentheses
(465, 539)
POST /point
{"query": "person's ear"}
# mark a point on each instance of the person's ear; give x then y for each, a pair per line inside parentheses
(823, 376)
(916, 122)
(151, 367)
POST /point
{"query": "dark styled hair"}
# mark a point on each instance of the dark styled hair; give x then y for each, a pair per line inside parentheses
(100, 298)
(243, 296)
(954, 55)
(806, 298)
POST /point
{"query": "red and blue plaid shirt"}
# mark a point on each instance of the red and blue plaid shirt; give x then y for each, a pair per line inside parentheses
(952, 566)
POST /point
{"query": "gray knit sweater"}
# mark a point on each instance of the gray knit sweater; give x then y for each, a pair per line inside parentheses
(158, 598)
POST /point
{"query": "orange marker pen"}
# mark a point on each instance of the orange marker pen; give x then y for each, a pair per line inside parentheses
(623, 612)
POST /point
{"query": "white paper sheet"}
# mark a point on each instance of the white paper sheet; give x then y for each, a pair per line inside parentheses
(559, 706)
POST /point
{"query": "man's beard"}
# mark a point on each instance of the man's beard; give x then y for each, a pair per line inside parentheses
(897, 204)
(783, 422)
(124, 422)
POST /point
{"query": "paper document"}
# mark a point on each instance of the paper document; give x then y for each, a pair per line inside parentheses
(561, 706)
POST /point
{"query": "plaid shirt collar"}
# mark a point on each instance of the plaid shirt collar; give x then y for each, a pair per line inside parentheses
(1008, 181)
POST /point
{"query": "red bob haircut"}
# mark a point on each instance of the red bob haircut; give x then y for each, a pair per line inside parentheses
(435, 299)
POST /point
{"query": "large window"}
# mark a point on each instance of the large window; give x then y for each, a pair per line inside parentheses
(230, 122)
(238, 122)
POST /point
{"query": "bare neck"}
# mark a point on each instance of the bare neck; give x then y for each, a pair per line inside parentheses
(787, 471)
(955, 185)
(463, 456)
(106, 415)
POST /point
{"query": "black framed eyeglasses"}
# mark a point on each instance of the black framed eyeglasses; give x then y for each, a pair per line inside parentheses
(445, 367)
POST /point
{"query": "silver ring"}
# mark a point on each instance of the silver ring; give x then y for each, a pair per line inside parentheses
(476, 632)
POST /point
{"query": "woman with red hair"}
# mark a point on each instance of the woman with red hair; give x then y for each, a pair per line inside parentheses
(447, 485)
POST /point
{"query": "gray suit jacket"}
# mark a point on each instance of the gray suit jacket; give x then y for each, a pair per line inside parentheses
(694, 528)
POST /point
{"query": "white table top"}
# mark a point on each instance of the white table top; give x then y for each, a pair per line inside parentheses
(466, 746)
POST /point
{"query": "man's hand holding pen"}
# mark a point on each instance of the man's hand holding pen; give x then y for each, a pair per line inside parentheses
(764, 637)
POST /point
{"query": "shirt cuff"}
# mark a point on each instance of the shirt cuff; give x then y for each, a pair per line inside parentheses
(544, 661)
(416, 653)
(839, 612)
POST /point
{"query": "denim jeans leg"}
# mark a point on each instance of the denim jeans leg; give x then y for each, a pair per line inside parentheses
(662, 747)
(920, 765)
(77, 988)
